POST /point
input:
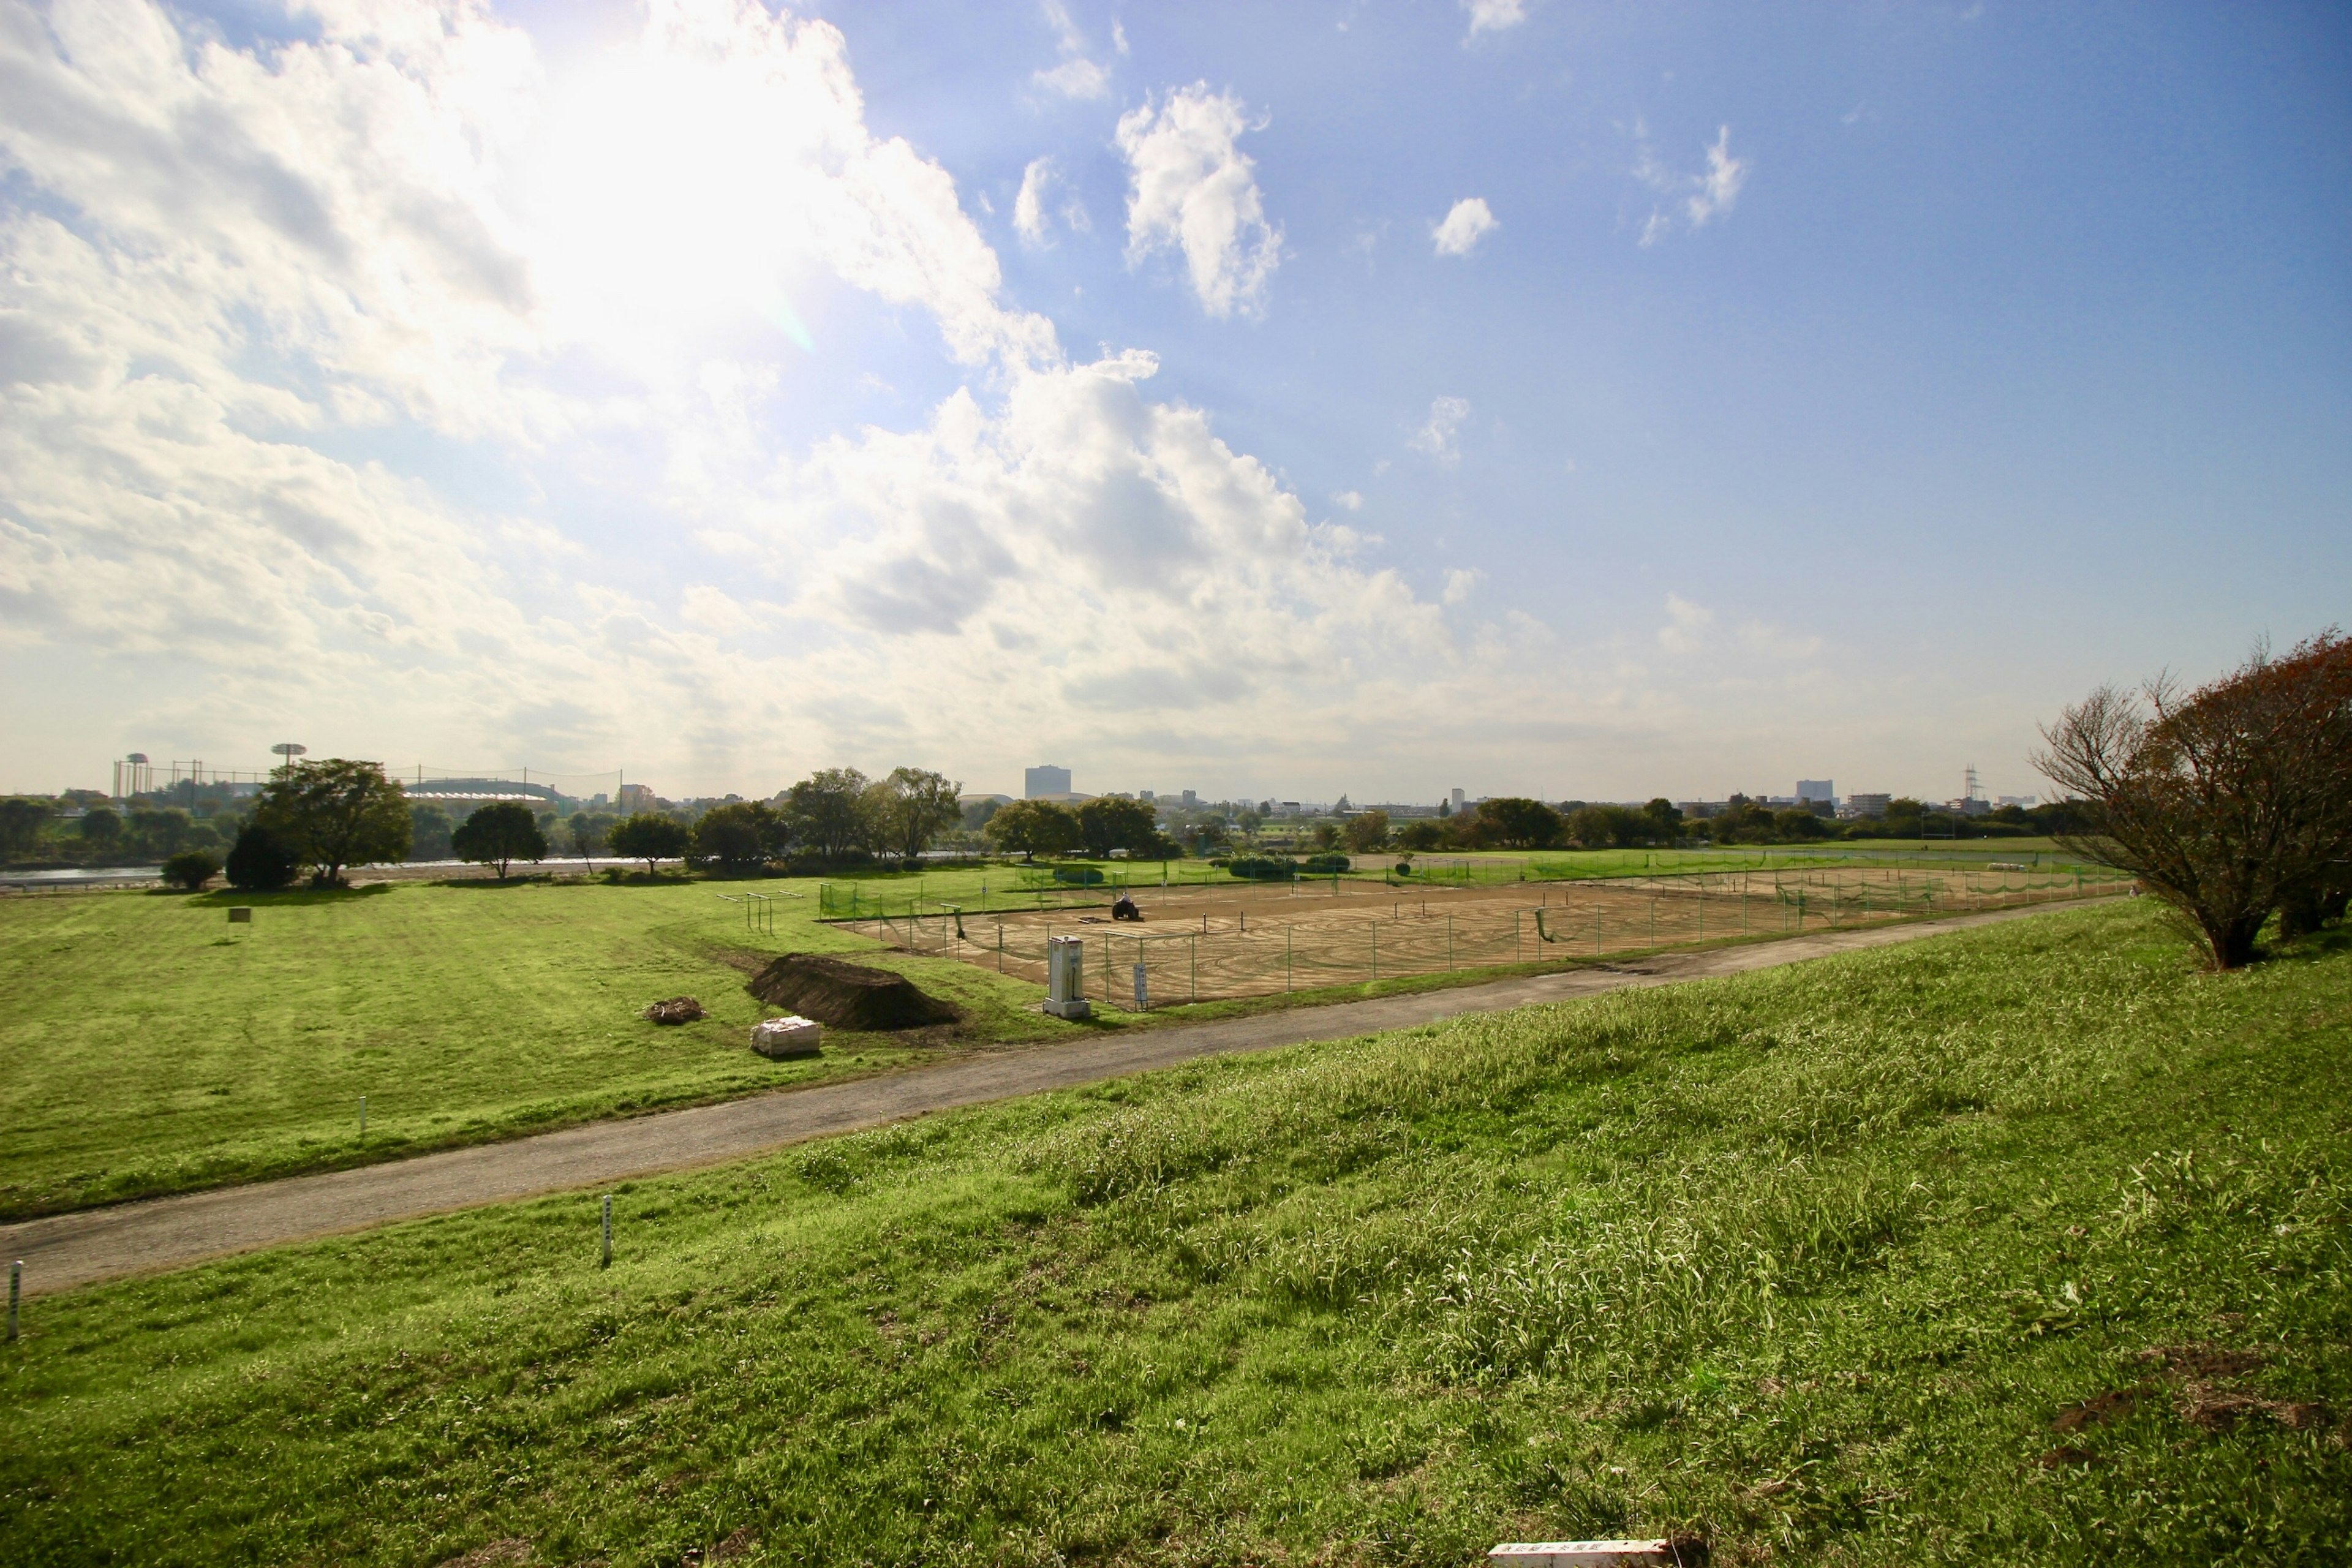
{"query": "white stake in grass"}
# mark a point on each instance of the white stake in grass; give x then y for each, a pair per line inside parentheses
(607, 1261)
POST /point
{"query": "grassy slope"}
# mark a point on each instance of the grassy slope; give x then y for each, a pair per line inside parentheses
(1811, 1260)
(147, 1046)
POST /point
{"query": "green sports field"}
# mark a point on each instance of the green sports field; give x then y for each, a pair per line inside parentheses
(148, 1045)
(2025, 1244)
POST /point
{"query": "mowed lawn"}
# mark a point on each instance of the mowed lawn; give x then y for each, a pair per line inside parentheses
(148, 1045)
(2024, 1245)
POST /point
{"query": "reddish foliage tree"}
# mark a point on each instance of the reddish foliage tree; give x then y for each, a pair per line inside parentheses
(2231, 802)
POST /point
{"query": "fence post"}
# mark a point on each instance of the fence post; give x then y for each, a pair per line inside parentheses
(1449, 943)
(1286, 958)
(605, 1262)
(1196, 968)
(1376, 951)
(16, 1289)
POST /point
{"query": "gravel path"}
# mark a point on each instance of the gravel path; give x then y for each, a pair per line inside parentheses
(63, 1251)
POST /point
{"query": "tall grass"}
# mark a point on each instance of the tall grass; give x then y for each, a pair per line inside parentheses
(1826, 1264)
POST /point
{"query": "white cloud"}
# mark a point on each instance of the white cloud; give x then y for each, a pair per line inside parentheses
(1702, 197)
(1685, 626)
(1468, 222)
(1494, 15)
(1460, 582)
(1078, 76)
(1718, 188)
(1437, 437)
(1039, 182)
(1352, 501)
(1193, 190)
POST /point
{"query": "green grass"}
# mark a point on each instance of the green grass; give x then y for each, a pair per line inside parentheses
(147, 1046)
(1816, 1262)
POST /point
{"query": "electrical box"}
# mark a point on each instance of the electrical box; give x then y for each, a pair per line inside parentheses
(1065, 977)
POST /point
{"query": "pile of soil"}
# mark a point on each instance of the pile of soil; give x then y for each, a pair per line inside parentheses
(848, 995)
(676, 1010)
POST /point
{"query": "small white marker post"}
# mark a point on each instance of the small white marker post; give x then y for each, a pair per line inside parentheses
(16, 1289)
(1142, 991)
(606, 1261)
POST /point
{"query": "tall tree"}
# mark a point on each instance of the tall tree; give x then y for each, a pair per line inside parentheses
(1369, 833)
(918, 806)
(2227, 802)
(1516, 823)
(334, 814)
(22, 820)
(1033, 827)
(742, 835)
(1107, 823)
(827, 812)
(649, 836)
(499, 834)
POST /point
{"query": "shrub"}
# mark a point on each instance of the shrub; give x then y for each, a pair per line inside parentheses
(1324, 865)
(191, 869)
(259, 860)
(1263, 868)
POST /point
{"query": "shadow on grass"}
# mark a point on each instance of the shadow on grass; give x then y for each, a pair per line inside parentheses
(223, 897)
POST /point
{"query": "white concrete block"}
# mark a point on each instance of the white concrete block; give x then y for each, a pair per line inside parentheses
(1580, 1553)
(790, 1035)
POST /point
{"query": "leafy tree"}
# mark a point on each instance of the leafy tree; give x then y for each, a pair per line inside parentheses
(1516, 823)
(429, 829)
(649, 836)
(1106, 824)
(1795, 825)
(260, 861)
(1034, 827)
(191, 869)
(742, 835)
(828, 811)
(22, 821)
(163, 831)
(499, 834)
(914, 807)
(336, 813)
(1327, 835)
(1608, 826)
(1369, 834)
(2228, 802)
(976, 815)
(1666, 820)
(102, 827)
(586, 831)
(1421, 837)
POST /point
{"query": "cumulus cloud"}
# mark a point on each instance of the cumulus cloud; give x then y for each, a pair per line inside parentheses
(1460, 582)
(1700, 198)
(1437, 437)
(255, 276)
(1468, 222)
(1352, 501)
(1494, 15)
(1193, 190)
(1039, 182)
(1078, 76)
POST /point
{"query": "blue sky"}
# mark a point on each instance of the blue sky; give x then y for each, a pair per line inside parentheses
(1594, 401)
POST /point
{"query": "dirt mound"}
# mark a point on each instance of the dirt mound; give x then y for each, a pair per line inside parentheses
(676, 1010)
(847, 995)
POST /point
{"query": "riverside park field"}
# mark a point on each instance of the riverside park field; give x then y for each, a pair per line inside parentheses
(2027, 1243)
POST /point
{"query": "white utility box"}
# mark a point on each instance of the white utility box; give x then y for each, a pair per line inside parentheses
(1583, 1553)
(1065, 977)
(790, 1035)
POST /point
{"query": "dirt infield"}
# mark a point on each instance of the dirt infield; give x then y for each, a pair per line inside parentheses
(1202, 943)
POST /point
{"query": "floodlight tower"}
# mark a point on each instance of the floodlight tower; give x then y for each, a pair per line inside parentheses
(289, 751)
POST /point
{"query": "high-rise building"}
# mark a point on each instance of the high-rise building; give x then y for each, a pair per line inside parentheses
(1817, 789)
(635, 799)
(1044, 779)
(1457, 800)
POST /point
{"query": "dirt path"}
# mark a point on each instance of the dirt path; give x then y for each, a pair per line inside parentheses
(62, 1251)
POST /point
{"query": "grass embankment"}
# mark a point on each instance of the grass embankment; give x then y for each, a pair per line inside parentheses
(2028, 1244)
(147, 1046)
